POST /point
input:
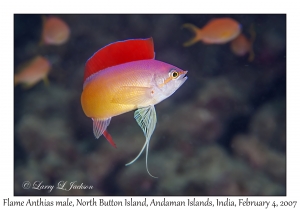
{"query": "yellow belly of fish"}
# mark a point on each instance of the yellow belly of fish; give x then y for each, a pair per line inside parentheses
(109, 96)
(96, 101)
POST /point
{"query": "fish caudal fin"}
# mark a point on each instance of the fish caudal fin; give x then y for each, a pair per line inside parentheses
(196, 31)
(46, 81)
(146, 119)
(251, 55)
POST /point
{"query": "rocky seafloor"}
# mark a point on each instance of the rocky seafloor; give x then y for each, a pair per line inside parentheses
(222, 133)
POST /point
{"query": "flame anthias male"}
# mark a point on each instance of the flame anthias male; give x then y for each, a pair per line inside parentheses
(123, 76)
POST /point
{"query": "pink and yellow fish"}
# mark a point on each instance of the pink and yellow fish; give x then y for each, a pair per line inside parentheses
(124, 76)
(216, 31)
(242, 45)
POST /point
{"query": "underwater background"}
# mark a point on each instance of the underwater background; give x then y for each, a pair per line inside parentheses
(222, 133)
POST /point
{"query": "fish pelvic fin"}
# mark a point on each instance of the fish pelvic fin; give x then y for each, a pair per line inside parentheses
(197, 34)
(146, 119)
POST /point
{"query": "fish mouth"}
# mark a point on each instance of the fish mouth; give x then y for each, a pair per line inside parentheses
(185, 74)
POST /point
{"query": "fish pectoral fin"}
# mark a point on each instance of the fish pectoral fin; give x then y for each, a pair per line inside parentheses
(146, 119)
(132, 95)
(99, 126)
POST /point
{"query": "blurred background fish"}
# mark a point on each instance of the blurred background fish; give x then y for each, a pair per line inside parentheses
(242, 45)
(31, 73)
(55, 31)
(216, 31)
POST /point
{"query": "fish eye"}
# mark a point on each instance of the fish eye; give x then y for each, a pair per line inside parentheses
(174, 74)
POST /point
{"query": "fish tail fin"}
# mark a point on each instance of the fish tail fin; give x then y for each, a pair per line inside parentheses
(109, 138)
(197, 32)
(46, 81)
(251, 55)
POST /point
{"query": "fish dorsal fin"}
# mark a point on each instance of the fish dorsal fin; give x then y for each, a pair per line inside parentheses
(119, 52)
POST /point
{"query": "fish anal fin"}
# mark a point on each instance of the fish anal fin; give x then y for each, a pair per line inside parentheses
(119, 53)
(99, 126)
(132, 95)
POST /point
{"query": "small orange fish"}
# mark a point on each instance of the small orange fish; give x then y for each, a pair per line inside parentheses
(33, 72)
(55, 31)
(241, 45)
(122, 77)
(216, 31)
